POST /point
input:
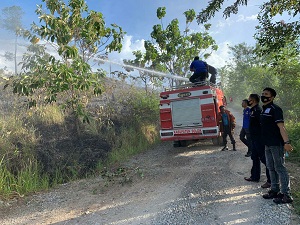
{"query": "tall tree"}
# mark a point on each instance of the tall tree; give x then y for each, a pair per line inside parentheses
(277, 36)
(273, 34)
(245, 73)
(78, 35)
(171, 50)
(12, 21)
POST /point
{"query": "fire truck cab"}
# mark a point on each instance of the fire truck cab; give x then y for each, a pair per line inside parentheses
(188, 113)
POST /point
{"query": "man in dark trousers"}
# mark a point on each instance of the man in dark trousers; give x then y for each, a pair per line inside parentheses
(276, 141)
(258, 148)
(200, 70)
(212, 70)
(226, 123)
(245, 133)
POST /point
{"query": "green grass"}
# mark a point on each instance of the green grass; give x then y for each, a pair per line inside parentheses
(293, 129)
(131, 141)
(46, 115)
(28, 180)
(296, 196)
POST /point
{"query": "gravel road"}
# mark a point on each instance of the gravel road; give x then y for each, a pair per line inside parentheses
(198, 184)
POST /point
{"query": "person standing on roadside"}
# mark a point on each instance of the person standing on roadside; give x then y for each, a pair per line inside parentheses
(258, 148)
(245, 128)
(226, 123)
(276, 142)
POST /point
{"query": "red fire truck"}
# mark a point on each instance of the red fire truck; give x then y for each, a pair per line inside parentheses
(188, 113)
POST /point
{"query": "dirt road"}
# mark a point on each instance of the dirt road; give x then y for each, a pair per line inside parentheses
(198, 184)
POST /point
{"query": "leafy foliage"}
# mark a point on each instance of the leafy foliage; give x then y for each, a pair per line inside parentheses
(243, 75)
(249, 73)
(78, 35)
(215, 5)
(272, 35)
(172, 50)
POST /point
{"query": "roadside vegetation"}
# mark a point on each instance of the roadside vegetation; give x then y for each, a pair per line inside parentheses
(39, 148)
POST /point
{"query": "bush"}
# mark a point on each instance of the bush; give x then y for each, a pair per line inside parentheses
(17, 143)
(42, 146)
(294, 136)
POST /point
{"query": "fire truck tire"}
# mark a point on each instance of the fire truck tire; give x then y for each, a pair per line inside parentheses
(176, 144)
(217, 141)
(183, 143)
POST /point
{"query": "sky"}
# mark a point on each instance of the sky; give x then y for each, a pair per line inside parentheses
(137, 17)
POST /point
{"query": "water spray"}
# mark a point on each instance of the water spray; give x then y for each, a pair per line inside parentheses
(157, 73)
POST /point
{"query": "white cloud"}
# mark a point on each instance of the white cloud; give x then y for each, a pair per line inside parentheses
(221, 24)
(242, 18)
(115, 59)
(219, 58)
(128, 47)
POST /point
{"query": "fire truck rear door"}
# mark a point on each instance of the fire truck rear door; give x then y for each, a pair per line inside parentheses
(186, 113)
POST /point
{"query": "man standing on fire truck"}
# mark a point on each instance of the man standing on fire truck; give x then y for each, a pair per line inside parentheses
(226, 123)
(200, 70)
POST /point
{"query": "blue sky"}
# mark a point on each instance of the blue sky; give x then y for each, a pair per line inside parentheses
(137, 18)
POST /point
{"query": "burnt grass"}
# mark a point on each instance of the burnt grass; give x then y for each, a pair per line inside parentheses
(71, 154)
(66, 151)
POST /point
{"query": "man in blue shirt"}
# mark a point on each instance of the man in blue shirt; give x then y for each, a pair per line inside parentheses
(199, 68)
(245, 128)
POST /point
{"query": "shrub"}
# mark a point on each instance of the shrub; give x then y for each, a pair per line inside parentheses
(294, 135)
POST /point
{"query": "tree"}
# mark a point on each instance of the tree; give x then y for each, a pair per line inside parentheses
(78, 36)
(171, 50)
(276, 36)
(272, 34)
(285, 67)
(245, 74)
(12, 21)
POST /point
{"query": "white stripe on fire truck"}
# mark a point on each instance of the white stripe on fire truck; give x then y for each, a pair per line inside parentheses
(164, 106)
(206, 101)
(166, 103)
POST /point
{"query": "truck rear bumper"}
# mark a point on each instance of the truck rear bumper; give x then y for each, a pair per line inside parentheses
(189, 134)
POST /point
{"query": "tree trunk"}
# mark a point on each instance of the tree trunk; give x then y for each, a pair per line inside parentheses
(16, 45)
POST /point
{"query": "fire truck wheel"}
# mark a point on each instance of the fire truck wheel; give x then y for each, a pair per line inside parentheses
(176, 144)
(183, 143)
(217, 141)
